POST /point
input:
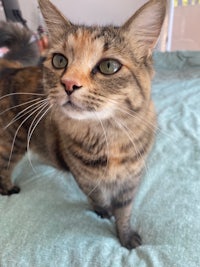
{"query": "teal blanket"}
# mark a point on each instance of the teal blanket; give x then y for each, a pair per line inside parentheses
(50, 223)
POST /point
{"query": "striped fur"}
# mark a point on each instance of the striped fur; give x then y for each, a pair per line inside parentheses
(101, 128)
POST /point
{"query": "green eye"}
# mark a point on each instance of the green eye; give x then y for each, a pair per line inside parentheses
(59, 61)
(109, 66)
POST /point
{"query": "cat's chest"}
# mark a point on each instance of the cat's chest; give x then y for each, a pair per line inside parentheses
(93, 140)
(96, 151)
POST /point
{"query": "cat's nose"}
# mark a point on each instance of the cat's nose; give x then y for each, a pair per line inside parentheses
(70, 85)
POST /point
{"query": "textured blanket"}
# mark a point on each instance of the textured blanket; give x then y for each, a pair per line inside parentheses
(50, 223)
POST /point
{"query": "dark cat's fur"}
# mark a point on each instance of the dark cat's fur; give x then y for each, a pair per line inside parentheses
(21, 43)
(91, 110)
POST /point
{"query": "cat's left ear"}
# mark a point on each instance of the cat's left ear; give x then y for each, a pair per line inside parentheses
(144, 27)
(55, 21)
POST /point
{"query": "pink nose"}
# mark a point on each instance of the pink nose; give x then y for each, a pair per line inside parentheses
(70, 85)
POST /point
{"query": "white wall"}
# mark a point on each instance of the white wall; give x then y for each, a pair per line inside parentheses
(185, 27)
(98, 11)
(85, 11)
(186, 33)
(30, 12)
(2, 13)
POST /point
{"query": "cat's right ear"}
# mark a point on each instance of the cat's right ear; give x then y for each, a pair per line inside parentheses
(144, 27)
(55, 21)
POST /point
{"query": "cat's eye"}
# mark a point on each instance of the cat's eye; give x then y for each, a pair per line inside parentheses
(109, 66)
(59, 61)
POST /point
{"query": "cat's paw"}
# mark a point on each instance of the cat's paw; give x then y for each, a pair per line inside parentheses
(9, 191)
(132, 241)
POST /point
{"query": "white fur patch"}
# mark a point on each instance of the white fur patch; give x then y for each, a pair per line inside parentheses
(104, 114)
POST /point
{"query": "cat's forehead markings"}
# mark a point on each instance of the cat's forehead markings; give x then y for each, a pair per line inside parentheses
(84, 36)
(64, 45)
(83, 43)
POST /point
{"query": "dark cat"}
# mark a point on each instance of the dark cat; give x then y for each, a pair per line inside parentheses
(88, 110)
(20, 42)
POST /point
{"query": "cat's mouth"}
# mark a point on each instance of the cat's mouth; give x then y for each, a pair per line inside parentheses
(70, 105)
(79, 111)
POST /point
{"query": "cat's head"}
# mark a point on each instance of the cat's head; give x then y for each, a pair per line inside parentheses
(96, 72)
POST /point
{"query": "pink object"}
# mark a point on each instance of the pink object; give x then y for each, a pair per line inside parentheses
(3, 50)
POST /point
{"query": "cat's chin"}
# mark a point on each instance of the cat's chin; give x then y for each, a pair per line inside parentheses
(70, 106)
(77, 113)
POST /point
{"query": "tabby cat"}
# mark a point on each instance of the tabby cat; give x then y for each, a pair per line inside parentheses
(88, 109)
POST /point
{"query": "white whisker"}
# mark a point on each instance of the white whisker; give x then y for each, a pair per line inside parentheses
(32, 128)
(21, 93)
(14, 138)
(126, 131)
(23, 104)
(137, 116)
(23, 113)
(99, 180)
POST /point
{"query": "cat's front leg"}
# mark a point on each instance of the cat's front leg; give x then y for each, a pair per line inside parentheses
(122, 213)
(8, 161)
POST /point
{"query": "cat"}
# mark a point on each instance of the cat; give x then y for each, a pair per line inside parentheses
(87, 110)
(19, 44)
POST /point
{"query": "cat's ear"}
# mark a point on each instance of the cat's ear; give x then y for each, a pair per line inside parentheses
(144, 27)
(55, 21)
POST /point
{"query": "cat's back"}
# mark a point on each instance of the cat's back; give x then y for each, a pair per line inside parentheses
(15, 78)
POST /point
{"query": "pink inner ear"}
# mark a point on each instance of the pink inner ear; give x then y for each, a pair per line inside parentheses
(4, 50)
